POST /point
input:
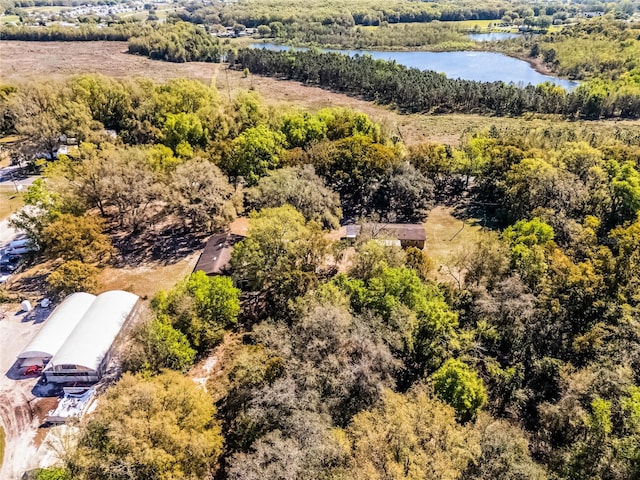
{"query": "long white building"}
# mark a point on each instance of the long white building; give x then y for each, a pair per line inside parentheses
(79, 353)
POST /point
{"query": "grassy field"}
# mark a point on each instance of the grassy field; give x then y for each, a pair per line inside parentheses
(10, 201)
(146, 280)
(9, 18)
(2, 437)
(45, 9)
(447, 235)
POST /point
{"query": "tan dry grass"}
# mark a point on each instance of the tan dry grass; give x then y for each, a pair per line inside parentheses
(146, 280)
(10, 202)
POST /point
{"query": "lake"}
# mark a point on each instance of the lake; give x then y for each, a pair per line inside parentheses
(467, 65)
(492, 36)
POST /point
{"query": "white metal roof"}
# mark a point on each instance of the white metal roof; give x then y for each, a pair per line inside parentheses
(58, 326)
(90, 341)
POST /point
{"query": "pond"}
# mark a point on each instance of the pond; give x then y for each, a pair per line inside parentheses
(492, 36)
(467, 65)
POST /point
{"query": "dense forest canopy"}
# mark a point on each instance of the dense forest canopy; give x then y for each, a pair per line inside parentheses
(524, 366)
(515, 357)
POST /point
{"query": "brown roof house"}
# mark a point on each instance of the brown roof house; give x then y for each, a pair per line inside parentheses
(214, 259)
(399, 234)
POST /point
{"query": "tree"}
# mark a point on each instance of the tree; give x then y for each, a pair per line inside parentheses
(301, 188)
(76, 238)
(45, 112)
(119, 179)
(201, 307)
(161, 427)
(281, 256)
(73, 276)
(505, 454)
(182, 131)
(412, 437)
(157, 346)
(625, 183)
(42, 206)
(404, 196)
(354, 167)
(459, 385)
(255, 151)
(200, 194)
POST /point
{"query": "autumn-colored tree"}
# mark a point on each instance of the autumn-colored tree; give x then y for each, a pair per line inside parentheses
(161, 427)
(412, 436)
(77, 238)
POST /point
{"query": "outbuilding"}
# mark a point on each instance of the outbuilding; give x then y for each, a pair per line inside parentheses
(389, 234)
(57, 328)
(216, 255)
(87, 349)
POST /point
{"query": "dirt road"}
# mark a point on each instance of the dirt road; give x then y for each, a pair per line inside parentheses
(18, 406)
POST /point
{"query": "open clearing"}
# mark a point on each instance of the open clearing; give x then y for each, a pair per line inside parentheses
(10, 202)
(25, 61)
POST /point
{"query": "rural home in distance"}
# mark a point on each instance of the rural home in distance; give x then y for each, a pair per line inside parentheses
(399, 234)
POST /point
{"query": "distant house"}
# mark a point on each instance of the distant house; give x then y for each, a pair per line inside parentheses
(216, 255)
(401, 234)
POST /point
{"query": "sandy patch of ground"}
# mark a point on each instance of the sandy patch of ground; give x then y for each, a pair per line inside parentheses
(20, 410)
(145, 280)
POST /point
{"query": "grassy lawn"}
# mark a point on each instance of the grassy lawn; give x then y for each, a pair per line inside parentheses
(45, 9)
(448, 235)
(146, 280)
(10, 202)
(9, 18)
(2, 440)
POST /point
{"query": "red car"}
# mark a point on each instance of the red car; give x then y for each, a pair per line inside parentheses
(33, 370)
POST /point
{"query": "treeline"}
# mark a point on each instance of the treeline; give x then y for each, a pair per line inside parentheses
(412, 90)
(115, 32)
(596, 48)
(180, 42)
(365, 13)
(435, 36)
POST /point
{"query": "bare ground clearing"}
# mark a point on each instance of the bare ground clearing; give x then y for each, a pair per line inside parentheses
(27, 61)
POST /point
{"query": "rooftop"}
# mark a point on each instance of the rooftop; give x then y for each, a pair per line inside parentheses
(217, 253)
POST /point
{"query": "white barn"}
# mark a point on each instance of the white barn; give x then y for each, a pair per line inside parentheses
(85, 352)
(56, 330)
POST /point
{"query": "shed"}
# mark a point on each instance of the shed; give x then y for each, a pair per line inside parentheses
(216, 255)
(86, 351)
(56, 330)
(402, 234)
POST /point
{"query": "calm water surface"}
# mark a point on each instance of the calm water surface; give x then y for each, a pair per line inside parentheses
(479, 66)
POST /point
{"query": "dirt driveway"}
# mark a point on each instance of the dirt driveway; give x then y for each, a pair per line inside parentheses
(20, 410)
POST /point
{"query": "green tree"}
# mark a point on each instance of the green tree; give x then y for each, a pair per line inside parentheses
(183, 130)
(201, 307)
(157, 346)
(161, 427)
(625, 183)
(459, 385)
(254, 152)
(281, 256)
